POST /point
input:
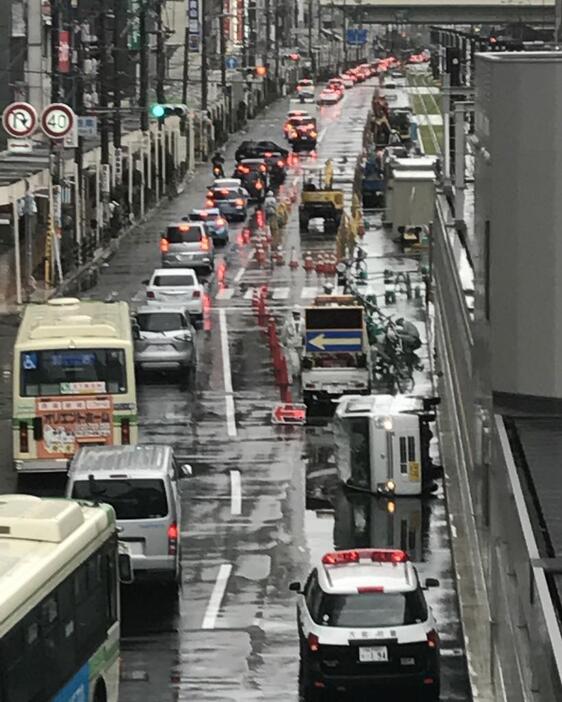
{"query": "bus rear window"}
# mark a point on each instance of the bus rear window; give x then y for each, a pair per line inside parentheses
(131, 499)
(72, 372)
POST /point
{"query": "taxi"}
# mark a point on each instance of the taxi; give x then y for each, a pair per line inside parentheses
(363, 621)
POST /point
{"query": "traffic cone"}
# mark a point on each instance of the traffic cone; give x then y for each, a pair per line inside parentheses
(308, 263)
(320, 267)
(293, 263)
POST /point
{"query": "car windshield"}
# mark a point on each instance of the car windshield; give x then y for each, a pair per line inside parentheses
(160, 321)
(131, 499)
(173, 281)
(372, 609)
(73, 372)
(204, 217)
(183, 233)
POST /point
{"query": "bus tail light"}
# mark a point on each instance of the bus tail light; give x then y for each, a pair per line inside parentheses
(125, 432)
(164, 245)
(204, 243)
(24, 438)
(173, 539)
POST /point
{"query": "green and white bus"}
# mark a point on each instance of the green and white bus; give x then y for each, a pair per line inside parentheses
(73, 381)
(59, 601)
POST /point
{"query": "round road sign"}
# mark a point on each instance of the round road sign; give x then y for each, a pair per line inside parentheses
(57, 120)
(19, 119)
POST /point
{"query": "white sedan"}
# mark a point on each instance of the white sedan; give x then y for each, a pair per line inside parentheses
(177, 287)
(329, 97)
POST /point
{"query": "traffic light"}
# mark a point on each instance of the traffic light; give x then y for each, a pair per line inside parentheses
(161, 111)
(453, 64)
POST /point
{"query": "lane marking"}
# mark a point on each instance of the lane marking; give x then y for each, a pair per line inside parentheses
(227, 375)
(321, 135)
(308, 293)
(281, 293)
(238, 277)
(230, 416)
(235, 493)
(249, 293)
(225, 294)
(212, 611)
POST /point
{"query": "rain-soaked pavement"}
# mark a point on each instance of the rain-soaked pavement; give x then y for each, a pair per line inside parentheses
(263, 500)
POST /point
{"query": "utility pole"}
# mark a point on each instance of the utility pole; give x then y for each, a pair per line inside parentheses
(34, 55)
(222, 48)
(55, 31)
(345, 59)
(143, 69)
(79, 110)
(265, 58)
(204, 61)
(252, 49)
(104, 104)
(310, 56)
(119, 62)
(160, 55)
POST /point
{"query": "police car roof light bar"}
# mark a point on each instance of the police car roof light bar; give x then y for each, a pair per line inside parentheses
(377, 555)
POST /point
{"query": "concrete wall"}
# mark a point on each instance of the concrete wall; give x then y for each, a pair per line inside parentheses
(519, 219)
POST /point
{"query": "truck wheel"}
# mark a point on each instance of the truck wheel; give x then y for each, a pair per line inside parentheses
(303, 224)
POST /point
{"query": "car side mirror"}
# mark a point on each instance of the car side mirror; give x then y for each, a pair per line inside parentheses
(431, 582)
(186, 471)
(295, 587)
(136, 331)
(145, 282)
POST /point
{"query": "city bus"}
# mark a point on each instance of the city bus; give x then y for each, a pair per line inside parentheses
(73, 381)
(59, 601)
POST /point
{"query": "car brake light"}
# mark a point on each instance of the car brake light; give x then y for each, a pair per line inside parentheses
(125, 432)
(183, 227)
(196, 294)
(313, 643)
(209, 203)
(204, 243)
(209, 193)
(164, 245)
(268, 154)
(370, 588)
(259, 185)
(263, 168)
(313, 134)
(150, 295)
(433, 639)
(281, 164)
(173, 534)
(24, 438)
(239, 202)
(220, 222)
(337, 557)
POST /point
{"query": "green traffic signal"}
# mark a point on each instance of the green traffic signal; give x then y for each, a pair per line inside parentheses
(158, 110)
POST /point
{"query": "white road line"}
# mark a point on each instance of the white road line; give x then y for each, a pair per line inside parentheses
(281, 293)
(225, 294)
(321, 135)
(230, 416)
(227, 373)
(308, 293)
(249, 294)
(212, 611)
(238, 277)
(235, 493)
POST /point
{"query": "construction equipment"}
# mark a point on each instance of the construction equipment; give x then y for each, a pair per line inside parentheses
(318, 201)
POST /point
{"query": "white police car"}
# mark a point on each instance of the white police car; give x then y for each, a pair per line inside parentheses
(363, 621)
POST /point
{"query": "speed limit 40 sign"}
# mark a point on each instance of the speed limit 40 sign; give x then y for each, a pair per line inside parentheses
(57, 120)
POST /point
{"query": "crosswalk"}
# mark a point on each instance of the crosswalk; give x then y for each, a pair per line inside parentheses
(276, 294)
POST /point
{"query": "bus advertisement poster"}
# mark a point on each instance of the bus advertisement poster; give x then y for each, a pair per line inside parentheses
(68, 422)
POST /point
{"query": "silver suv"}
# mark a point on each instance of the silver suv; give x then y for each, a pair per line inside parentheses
(187, 245)
(142, 484)
(164, 339)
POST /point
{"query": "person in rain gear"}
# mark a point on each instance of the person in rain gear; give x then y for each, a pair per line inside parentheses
(292, 338)
(217, 161)
(270, 206)
(329, 175)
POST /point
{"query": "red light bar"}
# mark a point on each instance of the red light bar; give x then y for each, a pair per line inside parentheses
(376, 555)
(370, 588)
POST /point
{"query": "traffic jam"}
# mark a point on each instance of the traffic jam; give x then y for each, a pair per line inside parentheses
(249, 386)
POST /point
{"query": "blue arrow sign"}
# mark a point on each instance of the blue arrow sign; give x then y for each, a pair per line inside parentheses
(331, 340)
(356, 36)
(231, 62)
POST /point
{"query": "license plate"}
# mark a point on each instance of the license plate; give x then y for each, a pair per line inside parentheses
(373, 654)
(160, 348)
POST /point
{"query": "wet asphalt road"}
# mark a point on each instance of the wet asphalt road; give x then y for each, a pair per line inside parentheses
(263, 501)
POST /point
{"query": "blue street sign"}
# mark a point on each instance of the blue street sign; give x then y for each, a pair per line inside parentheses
(231, 62)
(334, 340)
(356, 36)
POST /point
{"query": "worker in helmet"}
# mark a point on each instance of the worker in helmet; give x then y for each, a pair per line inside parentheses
(270, 206)
(292, 338)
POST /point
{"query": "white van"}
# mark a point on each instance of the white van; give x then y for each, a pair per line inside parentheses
(142, 484)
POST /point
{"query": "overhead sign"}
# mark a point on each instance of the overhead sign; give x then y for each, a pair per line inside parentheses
(193, 25)
(57, 120)
(287, 413)
(356, 36)
(64, 51)
(334, 340)
(19, 119)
